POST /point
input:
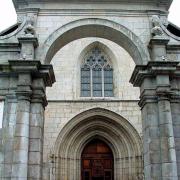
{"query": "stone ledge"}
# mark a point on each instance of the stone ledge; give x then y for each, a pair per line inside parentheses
(154, 68)
(36, 69)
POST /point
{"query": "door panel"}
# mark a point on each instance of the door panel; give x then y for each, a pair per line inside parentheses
(87, 175)
(97, 161)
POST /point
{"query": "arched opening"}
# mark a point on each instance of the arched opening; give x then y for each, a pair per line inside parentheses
(117, 134)
(97, 161)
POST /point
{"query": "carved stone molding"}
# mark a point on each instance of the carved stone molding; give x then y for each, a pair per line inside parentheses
(153, 70)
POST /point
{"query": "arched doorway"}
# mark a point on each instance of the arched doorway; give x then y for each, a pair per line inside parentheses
(115, 131)
(97, 161)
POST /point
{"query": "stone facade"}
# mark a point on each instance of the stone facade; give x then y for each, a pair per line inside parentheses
(44, 130)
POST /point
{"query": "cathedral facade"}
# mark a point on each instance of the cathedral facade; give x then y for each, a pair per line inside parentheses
(90, 90)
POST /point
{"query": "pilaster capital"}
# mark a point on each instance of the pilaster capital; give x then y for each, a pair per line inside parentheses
(32, 79)
(30, 39)
(152, 69)
(35, 68)
(159, 72)
(159, 40)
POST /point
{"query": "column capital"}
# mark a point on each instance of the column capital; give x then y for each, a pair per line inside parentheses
(152, 69)
(35, 68)
(28, 39)
(159, 40)
(154, 80)
(32, 79)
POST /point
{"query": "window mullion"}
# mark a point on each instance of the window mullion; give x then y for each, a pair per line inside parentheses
(102, 82)
(91, 82)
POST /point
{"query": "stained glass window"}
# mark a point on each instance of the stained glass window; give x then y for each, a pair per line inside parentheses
(96, 75)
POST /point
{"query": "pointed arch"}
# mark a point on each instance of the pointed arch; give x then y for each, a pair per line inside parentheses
(95, 62)
(107, 50)
(108, 126)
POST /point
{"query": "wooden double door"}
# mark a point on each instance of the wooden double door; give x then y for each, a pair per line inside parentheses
(97, 161)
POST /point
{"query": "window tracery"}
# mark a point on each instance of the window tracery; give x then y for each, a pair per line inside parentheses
(96, 75)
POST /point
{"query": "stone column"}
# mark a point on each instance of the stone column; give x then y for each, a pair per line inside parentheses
(21, 136)
(24, 117)
(9, 121)
(167, 144)
(38, 104)
(175, 109)
(155, 101)
(156, 94)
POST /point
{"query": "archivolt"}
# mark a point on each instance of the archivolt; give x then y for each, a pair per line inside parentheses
(94, 27)
(117, 132)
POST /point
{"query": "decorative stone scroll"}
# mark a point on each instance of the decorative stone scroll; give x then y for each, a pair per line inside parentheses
(156, 30)
(29, 29)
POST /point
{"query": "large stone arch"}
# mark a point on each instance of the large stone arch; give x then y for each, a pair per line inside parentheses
(108, 126)
(95, 27)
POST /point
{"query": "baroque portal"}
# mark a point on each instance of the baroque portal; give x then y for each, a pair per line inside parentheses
(90, 91)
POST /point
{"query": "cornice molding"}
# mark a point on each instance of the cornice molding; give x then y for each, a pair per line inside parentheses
(163, 3)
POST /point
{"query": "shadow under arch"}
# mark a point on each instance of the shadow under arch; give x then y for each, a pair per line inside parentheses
(95, 27)
(116, 131)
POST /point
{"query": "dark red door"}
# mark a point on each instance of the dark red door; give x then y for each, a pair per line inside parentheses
(97, 161)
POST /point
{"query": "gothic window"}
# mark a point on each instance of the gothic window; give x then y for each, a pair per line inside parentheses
(96, 75)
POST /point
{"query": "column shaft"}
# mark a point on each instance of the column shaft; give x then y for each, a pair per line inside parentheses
(21, 136)
(36, 141)
(167, 144)
(36, 132)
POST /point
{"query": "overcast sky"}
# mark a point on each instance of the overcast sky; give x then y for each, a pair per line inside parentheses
(8, 14)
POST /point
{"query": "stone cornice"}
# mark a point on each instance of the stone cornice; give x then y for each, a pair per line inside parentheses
(97, 12)
(165, 3)
(26, 39)
(32, 78)
(35, 68)
(157, 92)
(154, 68)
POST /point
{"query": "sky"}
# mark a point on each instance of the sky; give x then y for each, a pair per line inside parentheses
(8, 14)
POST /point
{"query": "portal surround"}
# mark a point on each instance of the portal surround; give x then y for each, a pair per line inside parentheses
(124, 142)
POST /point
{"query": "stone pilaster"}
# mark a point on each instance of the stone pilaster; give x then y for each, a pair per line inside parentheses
(38, 104)
(28, 43)
(158, 48)
(175, 109)
(28, 40)
(155, 101)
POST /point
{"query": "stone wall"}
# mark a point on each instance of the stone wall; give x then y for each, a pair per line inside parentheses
(64, 101)
(60, 27)
(48, 22)
(59, 113)
(67, 63)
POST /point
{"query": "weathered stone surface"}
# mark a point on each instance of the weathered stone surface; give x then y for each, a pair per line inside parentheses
(47, 144)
